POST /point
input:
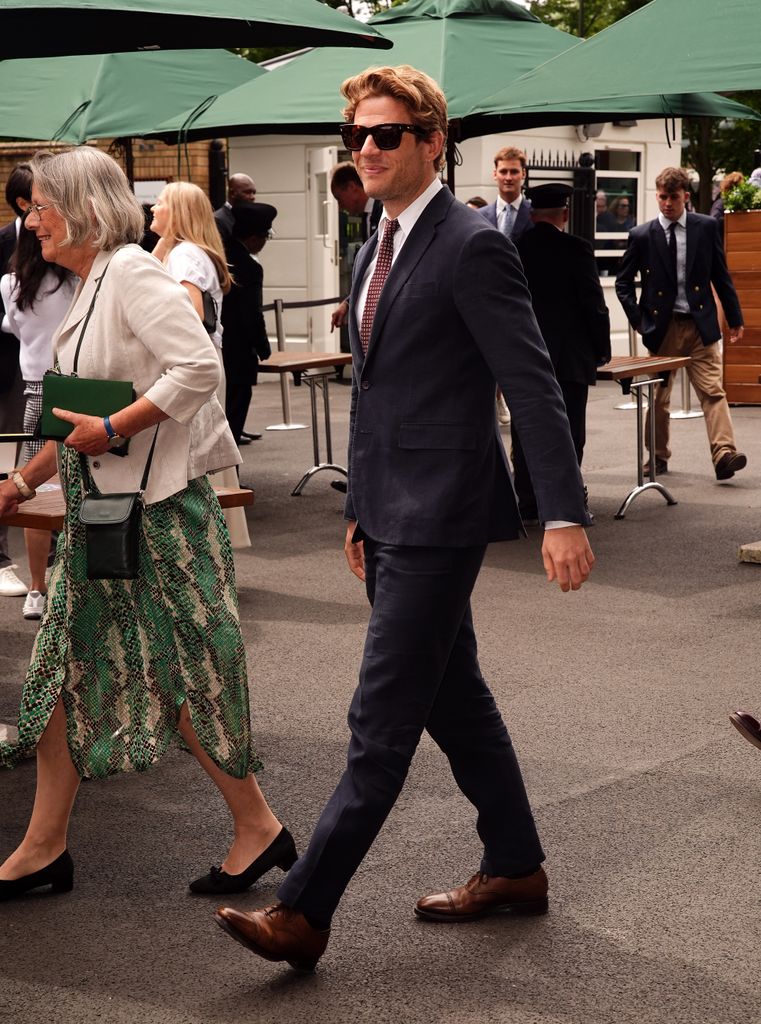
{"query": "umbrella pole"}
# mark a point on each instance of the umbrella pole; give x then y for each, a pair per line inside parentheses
(129, 161)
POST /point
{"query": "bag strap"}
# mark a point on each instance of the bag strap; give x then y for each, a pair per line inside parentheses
(91, 485)
(87, 320)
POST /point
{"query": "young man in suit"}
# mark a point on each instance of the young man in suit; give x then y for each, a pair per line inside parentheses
(511, 211)
(678, 257)
(570, 307)
(439, 311)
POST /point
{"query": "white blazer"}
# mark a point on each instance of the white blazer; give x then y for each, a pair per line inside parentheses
(144, 329)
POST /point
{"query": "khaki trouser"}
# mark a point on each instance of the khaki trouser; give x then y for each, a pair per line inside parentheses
(705, 373)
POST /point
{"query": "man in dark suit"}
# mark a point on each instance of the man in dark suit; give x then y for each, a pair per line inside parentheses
(244, 337)
(346, 189)
(428, 489)
(510, 211)
(570, 307)
(18, 193)
(678, 257)
(240, 189)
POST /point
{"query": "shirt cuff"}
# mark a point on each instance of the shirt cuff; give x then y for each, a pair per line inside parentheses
(558, 524)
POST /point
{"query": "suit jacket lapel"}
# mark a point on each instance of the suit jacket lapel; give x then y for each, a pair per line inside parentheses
(692, 245)
(413, 249)
(660, 245)
(78, 309)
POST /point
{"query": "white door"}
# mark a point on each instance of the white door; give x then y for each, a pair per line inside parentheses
(322, 241)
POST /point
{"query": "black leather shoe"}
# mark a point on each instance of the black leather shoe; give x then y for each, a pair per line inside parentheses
(747, 726)
(59, 874)
(280, 853)
(729, 464)
(250, 437)
(661, 467)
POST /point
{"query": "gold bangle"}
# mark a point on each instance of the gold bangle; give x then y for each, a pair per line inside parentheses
(23, 487)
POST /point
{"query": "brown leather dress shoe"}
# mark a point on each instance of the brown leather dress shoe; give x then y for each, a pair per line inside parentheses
(729, 464)
(276, 933)
(747, 726)
(483, 895)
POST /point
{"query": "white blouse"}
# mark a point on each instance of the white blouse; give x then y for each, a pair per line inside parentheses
(188, 262)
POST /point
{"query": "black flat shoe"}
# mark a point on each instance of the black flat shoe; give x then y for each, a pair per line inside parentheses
(280, 853)
(59, 874)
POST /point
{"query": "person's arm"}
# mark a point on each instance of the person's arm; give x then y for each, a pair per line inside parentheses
(89, 435)
(725, 289)
(37, 471)
(628, 269)
(338, 316)
(196, 297)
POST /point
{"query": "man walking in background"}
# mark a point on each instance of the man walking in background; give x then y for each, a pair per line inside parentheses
(678, 257)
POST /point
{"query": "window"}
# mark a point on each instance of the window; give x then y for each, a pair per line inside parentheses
(618, 202)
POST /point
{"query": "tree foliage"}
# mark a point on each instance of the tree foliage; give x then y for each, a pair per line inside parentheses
(712, 146)
(583, 17)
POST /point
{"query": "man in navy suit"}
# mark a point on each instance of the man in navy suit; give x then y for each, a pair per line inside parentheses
(678, 257)
(510, 211)
(439, 311)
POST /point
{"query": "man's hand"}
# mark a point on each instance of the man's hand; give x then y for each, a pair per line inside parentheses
(355, 553)
(735, 334)
(338, 316)
(567, 556)
(89, 434)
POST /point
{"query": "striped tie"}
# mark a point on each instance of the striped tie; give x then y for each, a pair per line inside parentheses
(382, 268)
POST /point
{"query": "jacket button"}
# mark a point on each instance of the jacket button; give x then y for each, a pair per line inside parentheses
(96, 465)
(697, 288)
(655, 312)
(365, 385)
(700, 306)
(659, 294)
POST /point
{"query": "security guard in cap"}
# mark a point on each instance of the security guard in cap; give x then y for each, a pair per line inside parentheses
(569, 304)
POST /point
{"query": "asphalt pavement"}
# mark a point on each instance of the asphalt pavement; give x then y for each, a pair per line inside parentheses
(617, 699)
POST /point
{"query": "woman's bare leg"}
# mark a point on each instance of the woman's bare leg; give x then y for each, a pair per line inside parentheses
(37, 551)
(57, 785)
(254, 823)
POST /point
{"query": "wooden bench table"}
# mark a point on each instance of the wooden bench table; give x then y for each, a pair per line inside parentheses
(46, 510)
(655, 369)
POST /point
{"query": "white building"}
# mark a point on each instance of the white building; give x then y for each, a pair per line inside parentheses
(302, 261)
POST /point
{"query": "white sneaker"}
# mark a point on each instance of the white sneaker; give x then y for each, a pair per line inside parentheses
(34, 605)
(10, 584)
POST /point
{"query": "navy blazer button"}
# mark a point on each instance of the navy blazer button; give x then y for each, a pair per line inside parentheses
(365, 385)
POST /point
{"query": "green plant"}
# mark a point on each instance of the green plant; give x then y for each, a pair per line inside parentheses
(742, 197)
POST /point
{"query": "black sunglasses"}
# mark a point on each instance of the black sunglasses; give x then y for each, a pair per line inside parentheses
(385, 136)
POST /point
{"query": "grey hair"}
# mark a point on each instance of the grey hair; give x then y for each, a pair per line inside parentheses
(92, 194)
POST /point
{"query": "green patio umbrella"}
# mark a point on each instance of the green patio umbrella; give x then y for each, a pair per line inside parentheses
(52, 28)
(469, 46)
(667, 47)
(113, 95)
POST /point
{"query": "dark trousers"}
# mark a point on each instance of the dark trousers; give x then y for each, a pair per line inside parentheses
(575, 398)
(237, 398)
(419, 671)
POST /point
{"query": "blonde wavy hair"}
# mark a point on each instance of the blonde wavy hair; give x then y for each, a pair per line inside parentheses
(416, 90)
(190, 218)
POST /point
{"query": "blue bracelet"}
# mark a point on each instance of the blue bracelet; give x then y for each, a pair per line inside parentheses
(109, 429)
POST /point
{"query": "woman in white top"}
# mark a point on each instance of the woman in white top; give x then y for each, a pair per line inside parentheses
(36, 296)
(190, 247)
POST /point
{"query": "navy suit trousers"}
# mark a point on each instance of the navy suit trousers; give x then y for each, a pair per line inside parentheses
(419, 671)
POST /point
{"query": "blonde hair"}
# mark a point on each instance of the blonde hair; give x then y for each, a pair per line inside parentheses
(416, 90)
(510, 153)
(190, 218)
(92, 194)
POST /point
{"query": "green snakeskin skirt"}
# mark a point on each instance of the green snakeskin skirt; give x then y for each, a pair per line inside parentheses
(126, 655)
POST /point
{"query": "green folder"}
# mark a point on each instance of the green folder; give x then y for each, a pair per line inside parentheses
(79, 394)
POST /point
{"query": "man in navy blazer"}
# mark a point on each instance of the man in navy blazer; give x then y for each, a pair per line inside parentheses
(511, 210)
(678, 257)
(429, 488)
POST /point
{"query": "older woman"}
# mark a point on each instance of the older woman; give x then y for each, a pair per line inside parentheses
(122, 668)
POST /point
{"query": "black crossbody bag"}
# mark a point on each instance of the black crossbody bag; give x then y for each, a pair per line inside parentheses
(113, 525)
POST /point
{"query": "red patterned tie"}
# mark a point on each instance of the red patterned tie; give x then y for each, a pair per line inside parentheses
(382, 268)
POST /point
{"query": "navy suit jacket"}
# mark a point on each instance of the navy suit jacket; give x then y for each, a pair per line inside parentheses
(523, 221)
(426, 461)
(647, 253)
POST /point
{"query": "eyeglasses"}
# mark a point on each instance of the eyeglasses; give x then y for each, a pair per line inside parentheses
(38, 208)
(385, 136)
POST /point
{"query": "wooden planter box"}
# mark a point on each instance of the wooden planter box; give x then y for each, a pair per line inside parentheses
(742, 363)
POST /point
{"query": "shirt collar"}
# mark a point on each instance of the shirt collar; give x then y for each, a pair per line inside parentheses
(665, 222)
(408, 217)
(501, 204)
